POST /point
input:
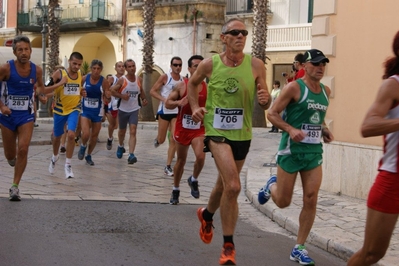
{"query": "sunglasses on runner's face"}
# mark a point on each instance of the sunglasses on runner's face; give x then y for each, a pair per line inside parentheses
(236, 32)
(176, 65)
(319, 63)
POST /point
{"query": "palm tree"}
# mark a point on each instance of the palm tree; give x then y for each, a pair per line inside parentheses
(53, 37)
(147, 113)
(259, 37)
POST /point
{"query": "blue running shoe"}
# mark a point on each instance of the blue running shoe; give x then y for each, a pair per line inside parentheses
(264, 192)
(120, 151)
(81, 153)
(89, 161)
(132, 159)
(194, 188)
(300, 254)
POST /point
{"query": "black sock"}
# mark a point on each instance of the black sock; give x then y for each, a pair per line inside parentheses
(207, 215)
(228, 239)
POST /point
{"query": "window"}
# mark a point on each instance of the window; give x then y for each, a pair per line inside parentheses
(310, 11)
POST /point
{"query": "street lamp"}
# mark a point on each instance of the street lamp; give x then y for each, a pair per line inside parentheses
(41, 11)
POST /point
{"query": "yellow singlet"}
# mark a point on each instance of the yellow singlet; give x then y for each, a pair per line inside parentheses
(67, 97)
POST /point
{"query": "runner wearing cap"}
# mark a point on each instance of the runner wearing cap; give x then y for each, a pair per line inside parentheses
(305, 101)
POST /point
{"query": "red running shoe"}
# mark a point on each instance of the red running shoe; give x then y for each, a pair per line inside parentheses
(206, 229)
(228, 256)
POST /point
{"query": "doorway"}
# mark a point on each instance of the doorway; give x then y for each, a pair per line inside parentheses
(283, 73)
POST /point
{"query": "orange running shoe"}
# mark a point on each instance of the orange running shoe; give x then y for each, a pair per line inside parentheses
(228, 256)
(206, 229)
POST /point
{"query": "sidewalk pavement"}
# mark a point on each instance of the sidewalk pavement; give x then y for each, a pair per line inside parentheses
(339, 224)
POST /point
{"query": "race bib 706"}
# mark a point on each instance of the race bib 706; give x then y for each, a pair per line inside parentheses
(228, 118)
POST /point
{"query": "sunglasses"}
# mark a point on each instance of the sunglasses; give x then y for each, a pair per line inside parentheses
(177, 65)
(319, 63)
(236, 32)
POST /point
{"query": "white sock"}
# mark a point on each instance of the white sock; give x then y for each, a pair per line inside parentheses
(176, 188)
(193, 179)
(54, 158)
(68, 160)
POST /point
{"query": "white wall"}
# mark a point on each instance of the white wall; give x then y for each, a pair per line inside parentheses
(287, 12)
(165, 49)
(181, 45)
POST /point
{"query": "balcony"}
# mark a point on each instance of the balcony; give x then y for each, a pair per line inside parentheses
(289, 37)
(74, 17)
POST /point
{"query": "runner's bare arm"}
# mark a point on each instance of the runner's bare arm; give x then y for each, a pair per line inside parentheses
(143, 97)
(40, 86)
(259, 70)
(107, 92)
(174, 99)
(54, 82)
(375, 122)
(154, 92)
(203, 71)
(4, 74)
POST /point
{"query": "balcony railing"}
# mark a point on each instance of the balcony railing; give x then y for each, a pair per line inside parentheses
(89, 12)
(75, 13)
(289, 37)
(239, 7)
(163, 2)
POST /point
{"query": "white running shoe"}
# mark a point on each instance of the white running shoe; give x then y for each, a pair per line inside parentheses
(51, 167)
(68, 171)
(168, 171)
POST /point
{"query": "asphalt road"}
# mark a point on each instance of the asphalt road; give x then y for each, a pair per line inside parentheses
(43, 232)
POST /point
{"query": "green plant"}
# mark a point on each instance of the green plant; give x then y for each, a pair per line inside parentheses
(192, 15)
(85, 68)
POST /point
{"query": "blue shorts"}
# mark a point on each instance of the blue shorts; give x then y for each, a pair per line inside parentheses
(60, 121)
(93, 117)
(12, 122)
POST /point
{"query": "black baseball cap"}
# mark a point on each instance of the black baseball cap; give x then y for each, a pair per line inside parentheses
(315, 56)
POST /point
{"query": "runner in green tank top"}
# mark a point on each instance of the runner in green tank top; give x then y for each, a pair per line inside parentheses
(235, 79)
(305, 102)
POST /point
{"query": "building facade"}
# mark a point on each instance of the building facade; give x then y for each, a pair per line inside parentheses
(357, 37)
(91, 27)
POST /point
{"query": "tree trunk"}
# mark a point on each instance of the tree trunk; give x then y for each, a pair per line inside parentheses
(259, 51)
(147, 113)
(53, 38)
